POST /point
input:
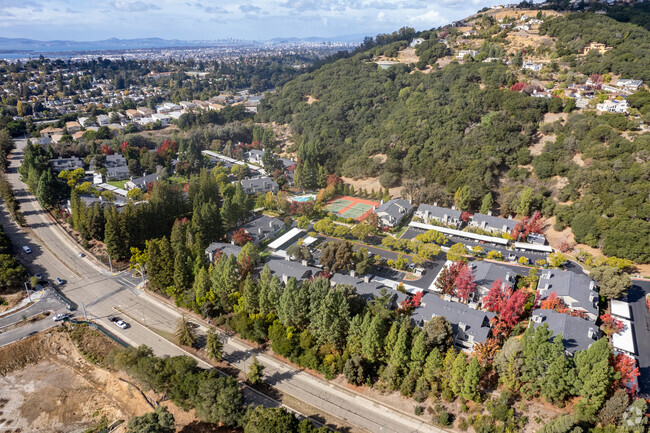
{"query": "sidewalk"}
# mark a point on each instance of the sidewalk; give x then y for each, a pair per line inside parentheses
(35, 297)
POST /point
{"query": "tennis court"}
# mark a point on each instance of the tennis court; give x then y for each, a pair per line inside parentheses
(351, 207)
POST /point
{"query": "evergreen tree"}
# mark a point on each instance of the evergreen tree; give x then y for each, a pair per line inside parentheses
(469, 390)
(228, 214)
(255, 371)
(250, 295)
(594, 373)
(433, 366)
(560, 376)
(391, 339)
(294, 306)
(358, 327)
(457, 374)
(201, 287)
(114, 236)
(46, 191)
(372, 341)
(224, 282)
(487, 203)
(185, 333)
(419, 350)
(331, 322)
(183, 276)
(213, 345)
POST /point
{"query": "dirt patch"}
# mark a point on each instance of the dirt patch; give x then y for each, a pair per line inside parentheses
(372, 183)
(538, 147)
(50, 387)
(407, 55)
(12, 300)
(577, 158)
(311, 99)
(552, 117)
(28, 321)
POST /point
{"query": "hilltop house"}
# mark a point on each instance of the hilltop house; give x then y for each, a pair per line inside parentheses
(492, 223)
(470, 326)
(630, 85)
(392, 212)
(577, 291)
(427, 213)
(613, 106)
(532, 66)
(577, 333)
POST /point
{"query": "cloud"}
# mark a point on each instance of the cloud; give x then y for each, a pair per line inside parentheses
(215, 10)
(249, 9)
(134, 6)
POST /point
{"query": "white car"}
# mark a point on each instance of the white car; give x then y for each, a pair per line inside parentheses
(121, 324)
(81, 255)
(26, 249)
(60, 317)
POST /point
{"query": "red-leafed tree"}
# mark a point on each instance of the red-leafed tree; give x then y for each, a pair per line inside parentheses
(596, 79)
(464, 283)
(506, 302)
(625, 365)
(124, 145)
(167, 149)
(106, 150)
(552, 302)
(527, 226)
(517, 87)
(412, 302)
(445, 281)
(611, 325)
(241, 237)
(245, 265)
(333, 179)
(465, 216)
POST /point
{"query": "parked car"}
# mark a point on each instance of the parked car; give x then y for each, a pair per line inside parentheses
(27, 249)
(81, 255)
(512, 257)
(121, 324)
(60, 317)
(59, 281)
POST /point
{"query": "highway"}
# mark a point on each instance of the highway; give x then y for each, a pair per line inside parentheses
(102, 294)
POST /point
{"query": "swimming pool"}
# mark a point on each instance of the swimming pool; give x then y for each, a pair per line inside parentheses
(302, 198)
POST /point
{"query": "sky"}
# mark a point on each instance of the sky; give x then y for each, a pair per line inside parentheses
(85, 20)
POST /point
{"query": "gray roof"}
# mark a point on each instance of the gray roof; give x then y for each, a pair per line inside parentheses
(493, 222)
(574, 330)
(260, 183)
(396, 208)
(485, 273)
(66, 163)
(369, 290)
(288, 268)
(142, 182)
(226, 248)
(439, 212)
(262, 226)
(566, 283)
(477, 322)
(286, 162)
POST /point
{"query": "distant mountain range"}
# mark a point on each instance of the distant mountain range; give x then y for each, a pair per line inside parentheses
(23, 45)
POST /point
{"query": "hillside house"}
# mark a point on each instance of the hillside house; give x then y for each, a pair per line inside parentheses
(393, 212)
(577, 333)
(369, 290)
(141, 182)
(577, 291)
(446, 216)
(216, 248)
(613, 106)
(630, 85)
(59, 164)
(492, 224)
(285, 269)
(486, 273)
(259, 184)
(263, 228)
(531, 66)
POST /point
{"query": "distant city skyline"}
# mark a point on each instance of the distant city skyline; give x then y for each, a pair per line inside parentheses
(82, 20)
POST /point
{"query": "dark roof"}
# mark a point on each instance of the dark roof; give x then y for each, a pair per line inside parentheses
(574, 330)
(369, 290)
(142, 182)
(439, 212)
(226, 248)
(485, 273)
(497, 223)
(262, 226)
(396, 208)
(566, 283)
(282, 267)
(477, 321)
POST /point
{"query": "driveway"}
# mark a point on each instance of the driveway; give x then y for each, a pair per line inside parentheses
(641, 327)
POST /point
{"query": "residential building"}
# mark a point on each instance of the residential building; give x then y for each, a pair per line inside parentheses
(577, 291)
(462, 53)
(60, 164)
(470, 326)
(492, 224)
(263, 228)
(133, 114)
(613, 106)
(145, 111)
(486, 273)
(532, 66)
(627, 84)
(369, 290)
(577, 333)
(72, 127)
(141, 182)
(165, 119)
(216, 248)
(597, 47)
(392, 212)
(415, 42)
(254, 156)
(259, 184)
(285, 269)
(49, 131)
(428, 213)
(103, 120)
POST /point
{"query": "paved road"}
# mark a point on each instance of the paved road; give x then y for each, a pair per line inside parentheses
(48, 302)
(90, 285)
(641, 327)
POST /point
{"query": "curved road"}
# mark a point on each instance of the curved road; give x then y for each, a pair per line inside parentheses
(89, 284)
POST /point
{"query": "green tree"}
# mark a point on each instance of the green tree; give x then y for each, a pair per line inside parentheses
(594, 373)
(487, 203)
(218, 399)
(185, 333)
(457, 252)
(213, 345)
(462, 198)
(46, 191)
(255, 371)
(525, 200)
(158, 421)
(372, 341)
(469, 390)
(331, 321)
(456, 380)
(260, 419)
(613, 282)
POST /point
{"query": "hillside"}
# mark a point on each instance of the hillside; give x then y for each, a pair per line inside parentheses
(466, 124)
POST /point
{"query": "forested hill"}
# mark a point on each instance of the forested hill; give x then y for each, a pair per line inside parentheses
(443, 127)
(465, 126)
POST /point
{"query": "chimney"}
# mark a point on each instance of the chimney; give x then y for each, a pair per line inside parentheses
(286, 258)
(381, 202)
(352, 273)
(462, 325)
(591, 333)
(304, 262)
(232, 242)
(537, 318)
(592, 296)
(592, 285)
(453, 207)
(547, 286)
(366, 279)
(447, 297)
(435, 203)
(285, 279)
(259, 230)
(509, 217)
(489, 213)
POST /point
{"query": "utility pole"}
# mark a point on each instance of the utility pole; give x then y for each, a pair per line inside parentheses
(110, 262)
(29, 297)
(83, 307)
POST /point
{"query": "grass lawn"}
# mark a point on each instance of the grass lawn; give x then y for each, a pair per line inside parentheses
(117, 183)
(179, 179)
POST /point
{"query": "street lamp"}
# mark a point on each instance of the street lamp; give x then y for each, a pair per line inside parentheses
(29, 297)
(110, 262)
